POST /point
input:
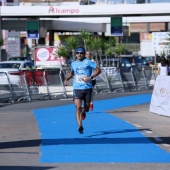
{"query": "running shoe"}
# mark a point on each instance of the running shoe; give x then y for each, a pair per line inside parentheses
(83, 115)
(91, 107)
(80, 129)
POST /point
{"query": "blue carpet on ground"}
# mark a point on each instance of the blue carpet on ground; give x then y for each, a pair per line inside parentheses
(106, 138)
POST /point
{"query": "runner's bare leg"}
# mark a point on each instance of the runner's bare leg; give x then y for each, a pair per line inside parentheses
(78, 104)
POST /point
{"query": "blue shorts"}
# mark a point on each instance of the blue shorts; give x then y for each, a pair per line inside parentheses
(82, 94)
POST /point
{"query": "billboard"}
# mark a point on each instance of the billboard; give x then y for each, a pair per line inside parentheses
(46, 57)
(159, 41)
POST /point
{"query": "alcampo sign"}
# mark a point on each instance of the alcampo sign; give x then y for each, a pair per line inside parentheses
(62, 11)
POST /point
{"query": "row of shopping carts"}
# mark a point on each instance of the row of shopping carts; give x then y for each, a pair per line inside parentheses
(121, 81)
(31, 84)
(38, 84)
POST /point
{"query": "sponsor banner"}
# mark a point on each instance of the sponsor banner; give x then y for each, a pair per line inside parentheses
(160, 41)
(160, 102)
(13, 43)
(47, 56)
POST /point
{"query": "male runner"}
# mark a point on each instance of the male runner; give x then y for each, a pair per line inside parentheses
(88, 56)
(81, 69)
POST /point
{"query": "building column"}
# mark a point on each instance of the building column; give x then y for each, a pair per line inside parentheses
(51, 37)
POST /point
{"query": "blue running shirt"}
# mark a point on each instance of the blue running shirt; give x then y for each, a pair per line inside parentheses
(82, 70)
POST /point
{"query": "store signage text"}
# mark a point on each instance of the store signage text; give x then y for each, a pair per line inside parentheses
(63, 11)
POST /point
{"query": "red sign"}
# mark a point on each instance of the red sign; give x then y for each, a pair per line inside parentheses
(48, 56)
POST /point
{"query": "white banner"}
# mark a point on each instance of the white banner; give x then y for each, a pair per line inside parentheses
(159, 41)
(13, 43)
(160, 102)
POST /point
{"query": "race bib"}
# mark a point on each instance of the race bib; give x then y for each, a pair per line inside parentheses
(80, 78)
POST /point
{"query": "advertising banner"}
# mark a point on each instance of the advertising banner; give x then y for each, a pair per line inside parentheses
(160, 102)
(47, 56)
(159, 41)
(13, 43)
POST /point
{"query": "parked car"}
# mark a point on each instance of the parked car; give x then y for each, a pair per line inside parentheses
(13, 66)
(150, 59)
(136, 60)
(19, 58)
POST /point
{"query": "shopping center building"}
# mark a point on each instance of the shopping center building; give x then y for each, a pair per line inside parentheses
(139, 21)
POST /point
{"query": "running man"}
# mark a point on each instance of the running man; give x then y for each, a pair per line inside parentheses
(82, 69)
(88, 56)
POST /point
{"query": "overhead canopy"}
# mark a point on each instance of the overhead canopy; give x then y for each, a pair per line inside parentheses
(104, 10)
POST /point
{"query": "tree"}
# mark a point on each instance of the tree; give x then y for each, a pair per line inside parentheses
(97, 47)
(163, 53)
(85, 35)
(2, 40)
(168, 39)
(109, 47)
(72, 43)
(62, 52)
(119, 49)
(112, 42)
(108, 51)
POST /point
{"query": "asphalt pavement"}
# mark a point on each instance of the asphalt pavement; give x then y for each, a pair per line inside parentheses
(21, 136)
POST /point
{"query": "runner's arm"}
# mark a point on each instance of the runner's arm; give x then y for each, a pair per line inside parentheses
(97, 71)
(71, 74)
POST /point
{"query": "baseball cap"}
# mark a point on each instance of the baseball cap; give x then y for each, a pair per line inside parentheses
(80, 49)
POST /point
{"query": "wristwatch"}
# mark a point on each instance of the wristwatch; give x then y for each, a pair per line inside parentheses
(91, 77)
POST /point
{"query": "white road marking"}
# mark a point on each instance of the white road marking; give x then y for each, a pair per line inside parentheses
(165, 144)
(148, 131)
(137, 125)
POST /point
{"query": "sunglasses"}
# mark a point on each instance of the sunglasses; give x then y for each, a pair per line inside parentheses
(79, 53)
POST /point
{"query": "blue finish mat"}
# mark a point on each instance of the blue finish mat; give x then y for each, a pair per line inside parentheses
(106, 138)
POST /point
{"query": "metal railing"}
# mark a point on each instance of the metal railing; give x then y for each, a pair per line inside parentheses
(39, 84)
